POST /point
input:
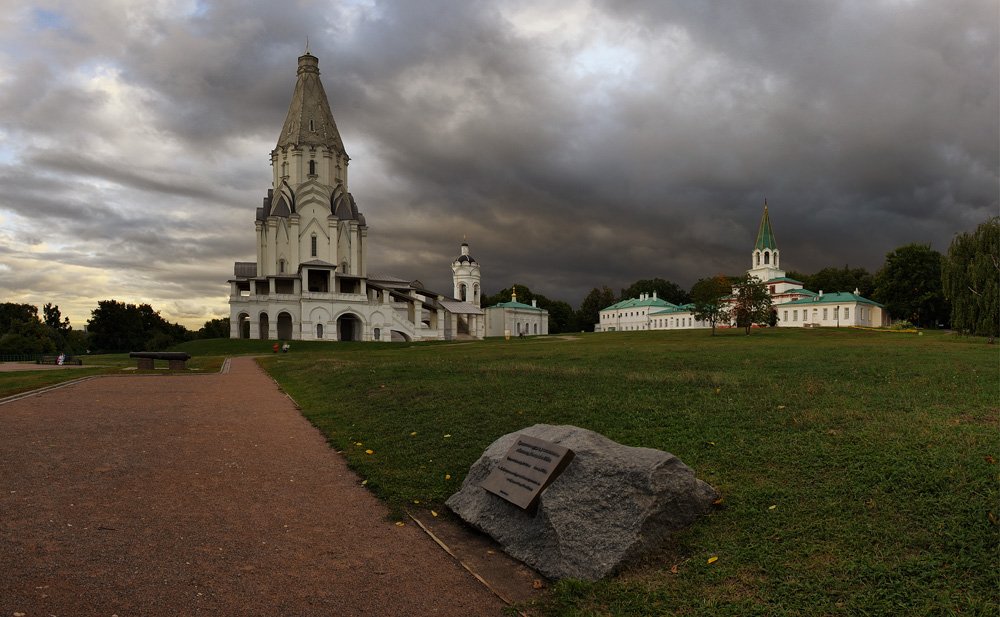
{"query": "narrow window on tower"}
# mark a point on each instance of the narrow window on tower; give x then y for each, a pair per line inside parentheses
(312, 168)
(312, 127)
(313, 245)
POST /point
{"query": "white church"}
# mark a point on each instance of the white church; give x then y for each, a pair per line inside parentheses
(796, 307)
(310, 280)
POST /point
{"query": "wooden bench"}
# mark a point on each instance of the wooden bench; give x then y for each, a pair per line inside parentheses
(55, 360)
(177, 359)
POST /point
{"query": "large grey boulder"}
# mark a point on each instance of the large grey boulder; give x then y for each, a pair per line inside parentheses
(611, 505)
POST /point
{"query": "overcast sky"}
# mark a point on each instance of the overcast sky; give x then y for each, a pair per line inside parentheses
(573, 143)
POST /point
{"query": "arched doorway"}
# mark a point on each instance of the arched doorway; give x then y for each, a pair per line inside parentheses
(243, 326)
(284, 326)
(349, 328)
(263, 327)
(319, 330)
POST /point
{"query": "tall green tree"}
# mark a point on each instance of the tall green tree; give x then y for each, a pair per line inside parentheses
(708, 296)
(12, 313)
(562, 317)
(751, 303)
(215, 328)
(909, 285)
(589, 313)
(27, 337)
(838, 279)
(970, 275)
(116, 327)
(665, 290)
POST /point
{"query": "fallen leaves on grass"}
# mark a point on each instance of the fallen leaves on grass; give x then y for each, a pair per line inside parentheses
(989, 459)
(413, 434)
(713, 559)
(434, 514)
(447, 436)
(400, 523)
(674, 569)
(537, 584)
(447, 476)
(369, 451)
(772, 507)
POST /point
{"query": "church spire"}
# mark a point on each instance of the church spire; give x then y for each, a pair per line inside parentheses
(309, 121)
(765, 236)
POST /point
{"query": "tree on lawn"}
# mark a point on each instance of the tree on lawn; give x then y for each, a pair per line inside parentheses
(590, 309)
(11, 314)
(709, 296)
(752, 303)
(909, 285)
(29, 337)
(115, 327)
(215, 328)
(970, 274)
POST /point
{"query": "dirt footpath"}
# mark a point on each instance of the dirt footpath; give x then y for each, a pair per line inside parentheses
(186, 495)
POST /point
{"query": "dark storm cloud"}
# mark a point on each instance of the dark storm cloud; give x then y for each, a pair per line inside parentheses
(573, 144)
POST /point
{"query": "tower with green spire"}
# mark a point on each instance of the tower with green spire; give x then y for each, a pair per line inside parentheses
(765, 259)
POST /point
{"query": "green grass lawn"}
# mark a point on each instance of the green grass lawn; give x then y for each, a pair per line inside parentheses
(857, 468)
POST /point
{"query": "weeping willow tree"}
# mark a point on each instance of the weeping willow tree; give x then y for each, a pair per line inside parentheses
(971, 278)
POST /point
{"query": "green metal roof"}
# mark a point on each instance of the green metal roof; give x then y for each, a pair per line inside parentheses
(800, 291)
(832, 298)
(636, 302)
(684, 308)
(782, 279)
(516, 305)
(765, 236)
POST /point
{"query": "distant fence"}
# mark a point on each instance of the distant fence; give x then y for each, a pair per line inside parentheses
(34, 357)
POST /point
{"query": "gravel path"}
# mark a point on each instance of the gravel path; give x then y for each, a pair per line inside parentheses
(186, 495)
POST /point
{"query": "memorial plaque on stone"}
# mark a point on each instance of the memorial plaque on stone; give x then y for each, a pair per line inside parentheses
(526, 470)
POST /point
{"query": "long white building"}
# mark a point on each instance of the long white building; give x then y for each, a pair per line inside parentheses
(796, 307)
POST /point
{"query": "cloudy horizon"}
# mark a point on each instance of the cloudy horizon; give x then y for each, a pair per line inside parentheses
(574, 144)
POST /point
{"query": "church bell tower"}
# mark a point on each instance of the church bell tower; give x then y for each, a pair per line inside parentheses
(764, 259)
(465, 275)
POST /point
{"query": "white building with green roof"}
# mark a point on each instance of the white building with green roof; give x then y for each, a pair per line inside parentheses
(638, 314)
(795, 305)
(516, 318)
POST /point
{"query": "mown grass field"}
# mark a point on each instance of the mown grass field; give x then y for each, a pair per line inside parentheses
(858, 468)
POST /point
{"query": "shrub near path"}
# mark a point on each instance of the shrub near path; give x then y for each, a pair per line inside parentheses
(858, 468)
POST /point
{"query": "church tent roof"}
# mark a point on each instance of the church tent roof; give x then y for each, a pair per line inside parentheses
(309, 121)
(765, 235)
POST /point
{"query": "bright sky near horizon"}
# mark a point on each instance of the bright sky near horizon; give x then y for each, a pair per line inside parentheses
(574, 143)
